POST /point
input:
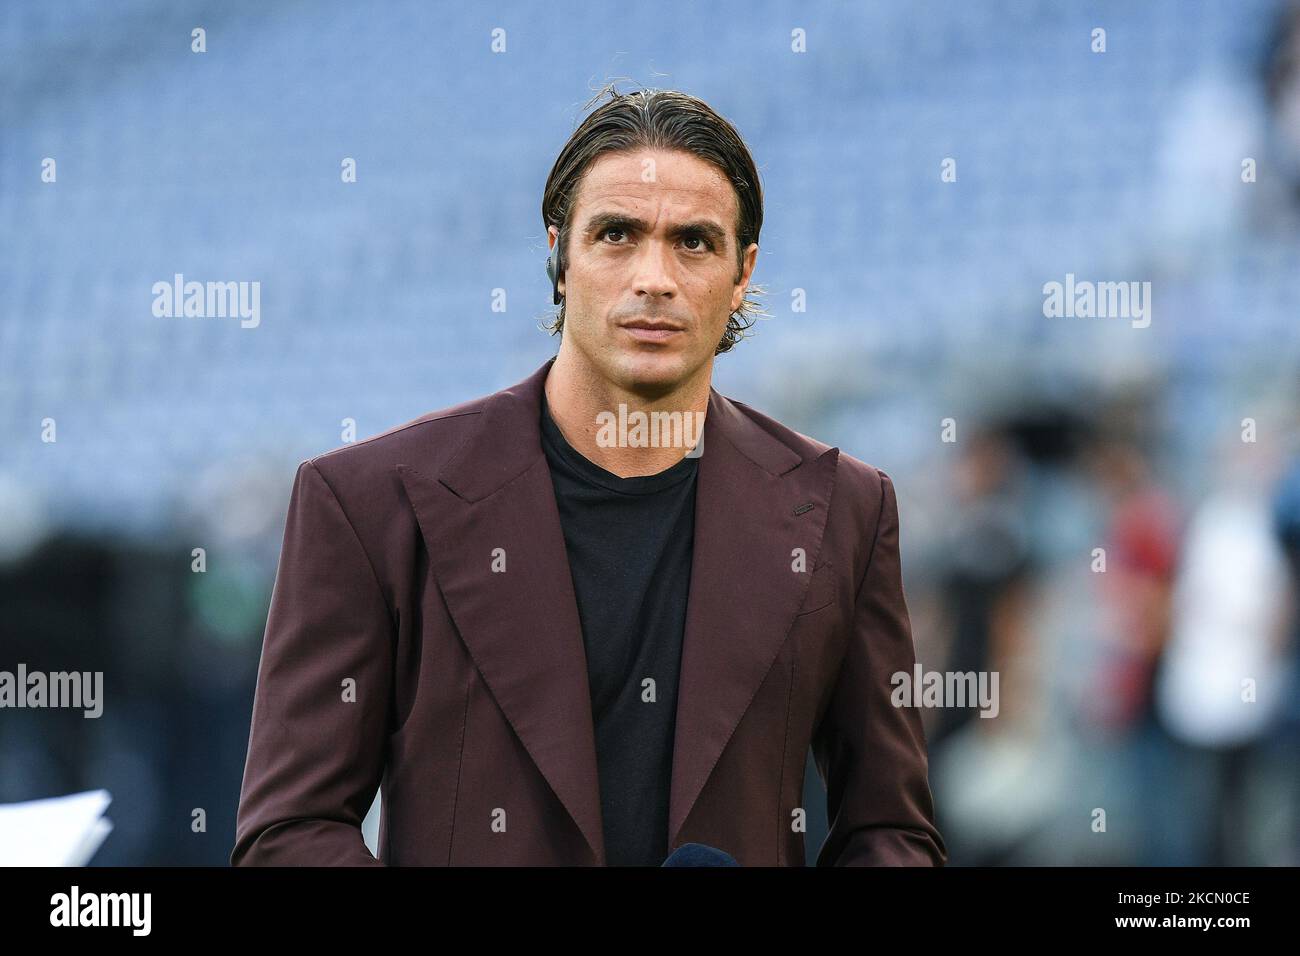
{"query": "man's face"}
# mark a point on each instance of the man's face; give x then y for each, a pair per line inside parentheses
(650, 268)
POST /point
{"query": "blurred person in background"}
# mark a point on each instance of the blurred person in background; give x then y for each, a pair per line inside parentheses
(1281, 80)
(1285, 741)
(989, 770)
(1140, 550)
(987, 569)
(1135, 588)
(1223, 679)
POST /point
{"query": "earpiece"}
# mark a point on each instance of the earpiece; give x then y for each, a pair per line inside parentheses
(554, 269)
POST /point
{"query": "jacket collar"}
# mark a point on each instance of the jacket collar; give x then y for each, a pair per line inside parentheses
(494, 497)
(508, 442)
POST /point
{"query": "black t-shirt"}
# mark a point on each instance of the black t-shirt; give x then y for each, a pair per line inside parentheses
(629, 542)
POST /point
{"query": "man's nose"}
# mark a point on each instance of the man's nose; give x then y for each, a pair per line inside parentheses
(654, 270)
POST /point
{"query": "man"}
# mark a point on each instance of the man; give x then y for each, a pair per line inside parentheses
(562, 626)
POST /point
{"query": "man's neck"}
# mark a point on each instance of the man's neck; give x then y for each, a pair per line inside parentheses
(577, 396)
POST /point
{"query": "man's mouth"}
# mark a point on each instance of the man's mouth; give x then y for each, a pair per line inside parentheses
(652, 330)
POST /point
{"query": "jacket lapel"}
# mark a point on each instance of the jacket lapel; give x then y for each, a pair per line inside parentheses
(494, 498)
(521, 626)
(744, 592)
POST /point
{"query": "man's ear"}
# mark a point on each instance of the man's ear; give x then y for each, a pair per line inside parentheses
(747, 270)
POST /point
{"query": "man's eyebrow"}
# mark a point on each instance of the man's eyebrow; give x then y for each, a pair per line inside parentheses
(710, 230)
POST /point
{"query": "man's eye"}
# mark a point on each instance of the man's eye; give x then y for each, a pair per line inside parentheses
(612, 229)
(701, 239)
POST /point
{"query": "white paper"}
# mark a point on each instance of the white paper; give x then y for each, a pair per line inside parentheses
(59, 831)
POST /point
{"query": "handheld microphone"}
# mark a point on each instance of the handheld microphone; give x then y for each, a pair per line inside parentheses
(699, 854)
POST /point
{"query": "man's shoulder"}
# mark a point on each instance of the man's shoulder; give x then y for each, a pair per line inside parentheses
(860, 477)
(423, 442)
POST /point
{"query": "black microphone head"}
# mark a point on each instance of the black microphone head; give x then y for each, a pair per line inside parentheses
(699, 854)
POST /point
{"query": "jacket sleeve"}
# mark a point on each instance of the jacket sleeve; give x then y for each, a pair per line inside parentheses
(872, 755)
(319, 726)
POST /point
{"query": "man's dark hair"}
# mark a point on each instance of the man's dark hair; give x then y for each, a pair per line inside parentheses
(668, 120)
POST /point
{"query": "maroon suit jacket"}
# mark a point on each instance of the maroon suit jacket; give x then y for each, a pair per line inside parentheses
(395, 654)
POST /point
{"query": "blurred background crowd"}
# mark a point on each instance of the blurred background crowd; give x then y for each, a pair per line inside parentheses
(1115, 529)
